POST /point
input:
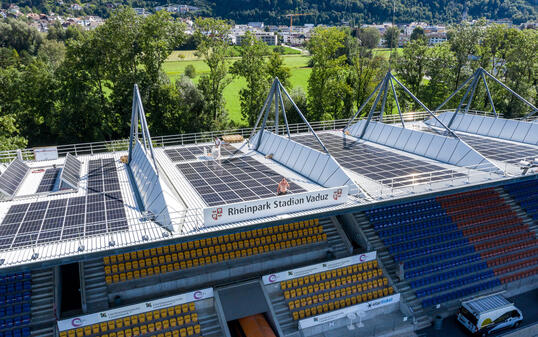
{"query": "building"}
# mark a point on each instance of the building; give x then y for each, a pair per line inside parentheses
(383, 227)
(437, 38)
(271, 39)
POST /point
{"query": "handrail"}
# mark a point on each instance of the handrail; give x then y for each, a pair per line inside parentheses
(208, 136)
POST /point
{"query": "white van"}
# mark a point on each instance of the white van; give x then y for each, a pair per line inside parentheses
(488, 314)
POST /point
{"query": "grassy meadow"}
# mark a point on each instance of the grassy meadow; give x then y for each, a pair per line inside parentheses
(298, 64)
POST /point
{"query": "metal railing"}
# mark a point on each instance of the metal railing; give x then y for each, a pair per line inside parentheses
(209, 136)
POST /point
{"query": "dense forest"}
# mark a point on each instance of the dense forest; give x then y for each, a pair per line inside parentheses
(321, 11)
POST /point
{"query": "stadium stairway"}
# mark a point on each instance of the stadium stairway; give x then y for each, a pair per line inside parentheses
(42, 307)
(334, 245)
(95, 289)
(421, 318)
(452, 246)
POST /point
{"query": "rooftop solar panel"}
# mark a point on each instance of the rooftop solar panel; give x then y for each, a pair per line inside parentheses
(493, 149)
(12, 177)
(233, 180)
(193, 152)
(48, 181)
(54, 220)
(71, 172)
(501, 151)
(384, 166)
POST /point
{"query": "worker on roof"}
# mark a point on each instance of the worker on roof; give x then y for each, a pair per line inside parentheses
(282, 187)
(216, 148)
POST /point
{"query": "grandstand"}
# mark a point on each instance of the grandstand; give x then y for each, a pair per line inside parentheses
(387, 223)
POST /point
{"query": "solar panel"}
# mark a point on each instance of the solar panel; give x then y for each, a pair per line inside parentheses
(193, 152)
(233, 180)
(102, 176)
(498, 150)
(48, 181)
(12, 177)
(54, 220)
(384, 166)
(71, 172)
(491, 148)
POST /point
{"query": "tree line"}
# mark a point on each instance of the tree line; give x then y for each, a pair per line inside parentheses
(321, 11)
(71, 86)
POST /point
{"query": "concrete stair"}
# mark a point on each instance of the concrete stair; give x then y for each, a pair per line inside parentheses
(209, 324)
(406, 293)
(42, 302)
(95, 288)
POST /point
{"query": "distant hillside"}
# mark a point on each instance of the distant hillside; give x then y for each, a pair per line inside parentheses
(323, 11)
(378, 11)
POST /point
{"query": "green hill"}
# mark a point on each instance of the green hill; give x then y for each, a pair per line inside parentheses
(322, 11)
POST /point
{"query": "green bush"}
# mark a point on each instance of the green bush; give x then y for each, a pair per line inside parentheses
(190, 71)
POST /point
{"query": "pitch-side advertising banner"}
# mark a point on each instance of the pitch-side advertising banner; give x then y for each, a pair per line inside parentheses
(337, 314)
(317, 268)
(81, 321)
(289, 203)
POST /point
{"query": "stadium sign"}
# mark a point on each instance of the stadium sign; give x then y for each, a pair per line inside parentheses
(317, 268)
(290, 203)
(134, 309)
(342, 313)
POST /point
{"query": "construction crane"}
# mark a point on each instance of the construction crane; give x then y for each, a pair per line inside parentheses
(291, 18)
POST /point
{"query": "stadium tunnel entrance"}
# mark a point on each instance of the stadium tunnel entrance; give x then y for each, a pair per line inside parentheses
(70, 300)
(246, 311)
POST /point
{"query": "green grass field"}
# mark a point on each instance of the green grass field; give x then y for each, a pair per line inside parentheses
(174, 68)
(298, 64)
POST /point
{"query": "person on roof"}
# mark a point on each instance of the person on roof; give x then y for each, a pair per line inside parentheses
(216, 148)
(282, 187)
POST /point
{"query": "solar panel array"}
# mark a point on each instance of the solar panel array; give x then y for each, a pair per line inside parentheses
(501, 151)
(13, 176)
(48, 181)
(233, 180)
(193, 152)
(71, 172)
(102, 176)
(491, 148)
(54, 220)
(384, 166)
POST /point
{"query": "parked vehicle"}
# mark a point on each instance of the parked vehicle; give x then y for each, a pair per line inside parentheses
(489, 313)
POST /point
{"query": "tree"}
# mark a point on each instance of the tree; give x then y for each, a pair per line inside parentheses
(18, 35)
(212, 37)
(190, 71)
(418, 34)
(301, 101)
(411, 65)
(369, 37)
(439, 68)
(463, 40)
(252, 68)
(276, 68)
(391, 37)
(9, 134)
(326, 84)
(367, 71)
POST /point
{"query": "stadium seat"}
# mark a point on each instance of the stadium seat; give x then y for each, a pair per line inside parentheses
(455, 240)
(145, 263)
(338, 288)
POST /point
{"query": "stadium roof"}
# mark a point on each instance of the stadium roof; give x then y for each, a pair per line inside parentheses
(132, 193)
